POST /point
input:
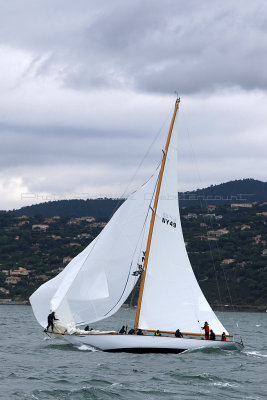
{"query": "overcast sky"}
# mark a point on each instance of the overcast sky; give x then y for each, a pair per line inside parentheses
(86, 87)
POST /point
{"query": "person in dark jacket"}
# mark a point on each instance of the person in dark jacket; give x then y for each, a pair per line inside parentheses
(122, 331)
(50, 320)
(139, 332)
(178, 334)
(131, 332)
(87, 328)
(212, 335)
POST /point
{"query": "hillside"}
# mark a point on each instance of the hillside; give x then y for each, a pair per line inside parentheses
(100, 209)
(242, 190)
(239, 191)
(227, 246)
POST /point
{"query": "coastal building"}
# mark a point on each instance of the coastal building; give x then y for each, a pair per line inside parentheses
(76, 221)
(22, 217)
(243, 205)
(227, 261)
(211, 207)
(190, 216)
(55, 237)
(244, 227)
(218, 232)
(257, 239)
(57, 271)
(21, 223)
(4, 290)
(87, 219)
(66, 259)
(84, 236)
(40, 227)
(209, 215)
(42, 277)
(19, 271)
(12, 280)
(48, 220)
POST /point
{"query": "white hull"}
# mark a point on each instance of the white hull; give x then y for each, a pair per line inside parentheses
(147, 343)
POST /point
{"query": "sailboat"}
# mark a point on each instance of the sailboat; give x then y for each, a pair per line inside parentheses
(143, 239)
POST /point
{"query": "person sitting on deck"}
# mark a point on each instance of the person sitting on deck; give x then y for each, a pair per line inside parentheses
(223, 338)
(157, 333)
(178, 334)
(87, 328)
(207, 330)
(122, 331)
(131, 332)
(50, 320)
(212, 335)
(139, 332)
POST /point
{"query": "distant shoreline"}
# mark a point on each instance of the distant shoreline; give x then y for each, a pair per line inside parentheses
(227, 308)
(224, 308)
(14, 303)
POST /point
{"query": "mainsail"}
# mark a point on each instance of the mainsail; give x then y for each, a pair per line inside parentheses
(171, 296)
(96, 283)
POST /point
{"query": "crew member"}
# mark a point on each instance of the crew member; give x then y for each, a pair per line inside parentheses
(223, 338)
(50, 319)
(178, 334)
(157, 333)
(87, 328)
(123, 330)
(207, 330)
(212, 335)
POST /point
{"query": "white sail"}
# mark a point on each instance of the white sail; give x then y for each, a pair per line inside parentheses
(172, 298)
(97, 282)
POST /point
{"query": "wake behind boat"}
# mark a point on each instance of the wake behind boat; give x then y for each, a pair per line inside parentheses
(144, 237)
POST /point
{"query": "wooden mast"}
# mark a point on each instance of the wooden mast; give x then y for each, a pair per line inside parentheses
(154, 211)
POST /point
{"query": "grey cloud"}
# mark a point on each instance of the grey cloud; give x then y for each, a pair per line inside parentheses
(29, 146)
(150, 46)
(64, 129)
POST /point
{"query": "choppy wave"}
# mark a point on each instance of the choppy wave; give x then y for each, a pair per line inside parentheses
(37, 369)
(255, 354)
(85, 347)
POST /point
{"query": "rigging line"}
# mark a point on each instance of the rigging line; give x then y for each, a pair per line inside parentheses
(196, 164)
(142, 233)
(224, 274)
(142, 241)
(134, 175)
(122, 196)
(95, 240)
(211, 224)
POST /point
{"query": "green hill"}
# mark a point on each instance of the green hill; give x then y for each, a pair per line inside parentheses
(238, 191)
(227, 247)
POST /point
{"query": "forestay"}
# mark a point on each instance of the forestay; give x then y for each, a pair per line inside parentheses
(97, 282)
(172, 297)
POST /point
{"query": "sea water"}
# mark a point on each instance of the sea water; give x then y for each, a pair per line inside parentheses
(33, 366)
